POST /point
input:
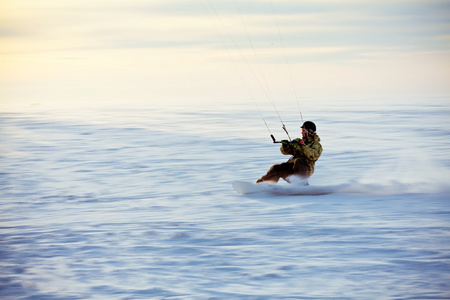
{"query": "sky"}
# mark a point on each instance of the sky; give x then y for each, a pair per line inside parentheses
(157, 51)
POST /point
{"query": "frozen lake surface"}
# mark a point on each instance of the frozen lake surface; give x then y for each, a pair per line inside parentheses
(136, 202)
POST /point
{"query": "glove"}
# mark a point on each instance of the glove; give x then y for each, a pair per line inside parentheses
(285, 142)
(297, 141)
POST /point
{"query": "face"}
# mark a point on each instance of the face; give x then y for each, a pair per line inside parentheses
(305, 133)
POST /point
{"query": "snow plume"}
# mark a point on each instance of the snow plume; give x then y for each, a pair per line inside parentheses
(386, 188)
(410, 172)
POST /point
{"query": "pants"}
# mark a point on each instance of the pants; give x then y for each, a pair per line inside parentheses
(299, 168)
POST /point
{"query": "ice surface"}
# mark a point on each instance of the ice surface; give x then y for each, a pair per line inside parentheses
(136, 203)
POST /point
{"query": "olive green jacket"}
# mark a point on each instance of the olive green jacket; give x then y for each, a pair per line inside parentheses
(309, 151)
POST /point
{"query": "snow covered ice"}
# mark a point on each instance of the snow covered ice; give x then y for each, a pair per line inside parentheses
(136, 202)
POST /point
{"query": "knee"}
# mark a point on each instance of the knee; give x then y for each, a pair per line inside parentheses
(276, 168)
(281, 170)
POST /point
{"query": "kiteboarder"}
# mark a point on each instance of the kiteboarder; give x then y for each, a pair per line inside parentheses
(305, 152)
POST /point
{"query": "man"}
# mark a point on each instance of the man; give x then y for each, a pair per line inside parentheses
(305, 152)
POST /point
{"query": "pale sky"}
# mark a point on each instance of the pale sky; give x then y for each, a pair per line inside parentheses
(167, 50)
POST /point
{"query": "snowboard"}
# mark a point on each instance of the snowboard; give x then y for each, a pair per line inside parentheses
(245, 188)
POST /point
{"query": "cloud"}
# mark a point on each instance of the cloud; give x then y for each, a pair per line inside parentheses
(144, 24)
(344, 44)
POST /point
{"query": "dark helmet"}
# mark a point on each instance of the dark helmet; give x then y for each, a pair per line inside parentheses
(310, 126)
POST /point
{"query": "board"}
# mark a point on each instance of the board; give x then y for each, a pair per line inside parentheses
(245, 188)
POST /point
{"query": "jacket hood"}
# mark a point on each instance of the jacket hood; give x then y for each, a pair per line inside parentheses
(314, 138)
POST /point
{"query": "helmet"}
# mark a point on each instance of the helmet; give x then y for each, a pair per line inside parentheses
(310, 126)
